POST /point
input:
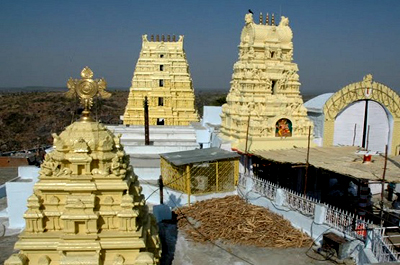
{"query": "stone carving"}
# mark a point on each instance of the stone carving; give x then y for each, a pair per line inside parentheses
(284, 22)
(265, 86)
(85, 193)
(166, 62)
(355, 91)
(80, 146)
(49, 167)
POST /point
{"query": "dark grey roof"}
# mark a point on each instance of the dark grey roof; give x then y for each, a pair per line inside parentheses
(198, 156)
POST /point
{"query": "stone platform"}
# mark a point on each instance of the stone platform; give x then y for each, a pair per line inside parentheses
(163, 139)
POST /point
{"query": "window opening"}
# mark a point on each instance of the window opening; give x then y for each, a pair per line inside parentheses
(160, 101)
(161, 55)
(161, 67)
(273, 86)
(160, 121)
(161, 83)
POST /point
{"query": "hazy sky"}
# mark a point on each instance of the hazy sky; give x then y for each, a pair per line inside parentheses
(43, 43)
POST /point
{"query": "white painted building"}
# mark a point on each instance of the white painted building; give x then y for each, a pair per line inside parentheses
(355, 117)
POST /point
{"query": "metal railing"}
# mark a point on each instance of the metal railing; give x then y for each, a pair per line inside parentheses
(300, 202)
(343, 221)
(381, 246)
(263, 187)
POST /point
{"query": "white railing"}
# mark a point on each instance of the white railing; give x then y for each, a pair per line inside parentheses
(264, 188)
(242, 181)
(382, 247)
(346, 222)
(301, 203)
(341, 220)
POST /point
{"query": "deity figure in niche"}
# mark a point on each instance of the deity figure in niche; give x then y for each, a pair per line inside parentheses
(283, 128)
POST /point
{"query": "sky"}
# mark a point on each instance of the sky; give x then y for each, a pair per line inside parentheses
(43, 43)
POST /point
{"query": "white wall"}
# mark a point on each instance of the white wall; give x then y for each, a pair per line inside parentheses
(211, 115)
(353, 116)
(18, 193)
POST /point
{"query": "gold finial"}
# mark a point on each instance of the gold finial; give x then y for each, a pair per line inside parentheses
(260, 19)
(174, 38)
(86, 88)
(169, 38)
(152, 38)
(86, 73)
(267, 19)
(162, 37)
(273, 19)
(158, 37)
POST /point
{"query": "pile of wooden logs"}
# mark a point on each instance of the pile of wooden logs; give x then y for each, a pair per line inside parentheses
(233, 220)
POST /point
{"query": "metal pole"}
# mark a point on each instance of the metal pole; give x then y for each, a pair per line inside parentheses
(245, 149)
(368, 137)
(383, 183)
(161, 186)
(365, 124)
(188, 189)
(146, 122)
(308, 156)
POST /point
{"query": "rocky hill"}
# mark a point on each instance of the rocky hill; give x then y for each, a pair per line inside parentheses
(27, 119)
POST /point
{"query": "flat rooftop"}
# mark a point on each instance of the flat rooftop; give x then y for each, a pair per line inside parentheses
(344, 160)
(198, 156)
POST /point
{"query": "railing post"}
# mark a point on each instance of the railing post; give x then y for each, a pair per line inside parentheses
(216, 176)
(188, 190)
(280, 197)
(370, 237)
(249, 182)
(236, 171)
(320, 213)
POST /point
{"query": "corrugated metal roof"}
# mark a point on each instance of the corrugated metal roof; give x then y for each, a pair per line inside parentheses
(343, 160)
(198, 156)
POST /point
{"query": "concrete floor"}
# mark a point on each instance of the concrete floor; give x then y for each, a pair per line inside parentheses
(192, 253)
(8, 173)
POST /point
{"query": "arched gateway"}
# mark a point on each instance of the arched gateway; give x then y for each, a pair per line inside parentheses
(362, 96)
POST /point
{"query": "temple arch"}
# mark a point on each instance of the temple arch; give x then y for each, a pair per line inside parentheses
(365, 90)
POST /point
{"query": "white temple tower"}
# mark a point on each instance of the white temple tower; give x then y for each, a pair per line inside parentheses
(162, 75)
(264, 108)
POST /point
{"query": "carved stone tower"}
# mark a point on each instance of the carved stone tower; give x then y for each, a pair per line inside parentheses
(264, 108)
(87, 207)
(162, 74)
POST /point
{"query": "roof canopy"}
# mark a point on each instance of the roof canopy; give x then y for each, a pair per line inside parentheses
(198, 156)
(343, 160)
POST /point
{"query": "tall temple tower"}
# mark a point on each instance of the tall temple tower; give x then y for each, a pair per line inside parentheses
(87, 207)
(162, 75)
(264, 108)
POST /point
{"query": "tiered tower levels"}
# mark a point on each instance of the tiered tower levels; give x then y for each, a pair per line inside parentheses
(162, 75)
(264, 108)
(87, 207)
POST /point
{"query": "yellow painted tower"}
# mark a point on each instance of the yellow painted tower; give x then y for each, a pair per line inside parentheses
(162, 75)
(264, 108)
(87, 207)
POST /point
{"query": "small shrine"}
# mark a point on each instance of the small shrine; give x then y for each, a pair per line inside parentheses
(87, 207)
(264, 108)
(162, 75)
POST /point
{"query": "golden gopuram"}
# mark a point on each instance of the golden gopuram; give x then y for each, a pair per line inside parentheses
(264, 108)
(162, 75)
(87, 207)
